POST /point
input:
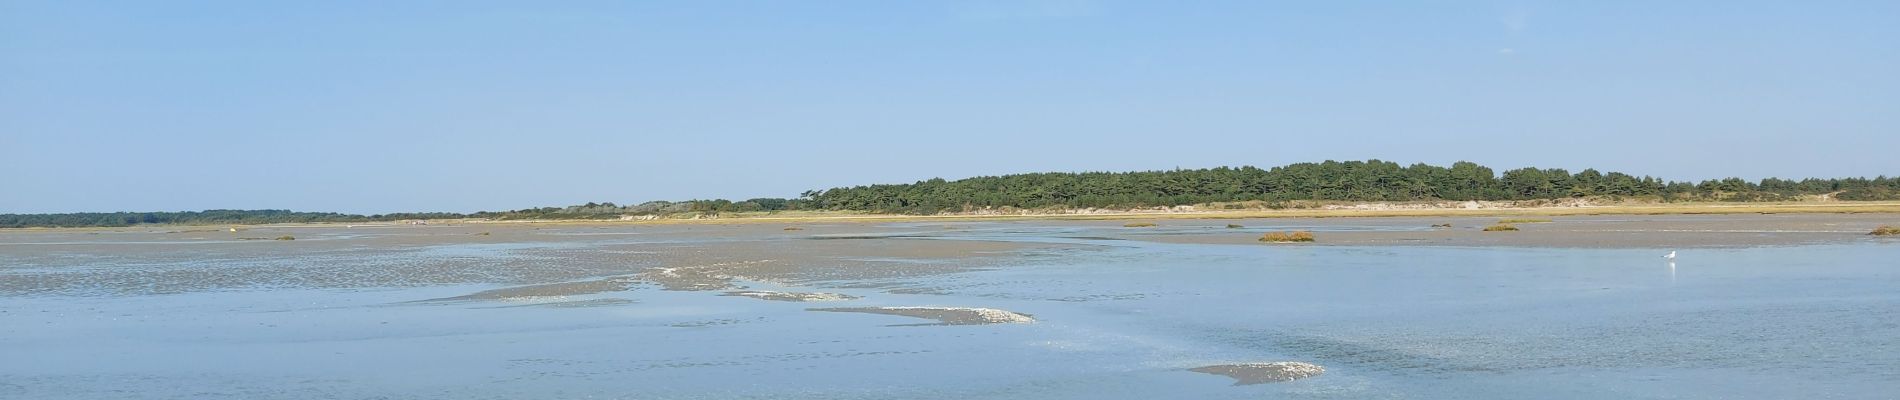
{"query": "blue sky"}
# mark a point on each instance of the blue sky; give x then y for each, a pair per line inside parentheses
(380, 106)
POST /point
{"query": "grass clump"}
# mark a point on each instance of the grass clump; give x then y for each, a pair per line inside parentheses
(794, 228)
(1886, 230)
(482, 234)
(1522, 220)
(1441, 225)
(1234, 226)
(286, 237)
(1500, 227)
(1139, 225)
(1287, 237)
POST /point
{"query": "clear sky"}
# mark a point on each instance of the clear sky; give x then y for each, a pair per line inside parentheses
(380, 106)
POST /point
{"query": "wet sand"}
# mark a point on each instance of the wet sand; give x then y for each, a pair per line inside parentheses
(1258, 373)
(536, 261)
(791, 296)
(1662, 232)
(595, 258)
(546, 291)
(944, 315)
(641, 303)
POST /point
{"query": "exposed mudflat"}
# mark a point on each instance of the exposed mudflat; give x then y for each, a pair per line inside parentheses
(532, 260)
(1258, 373)
(1755, 307)
(549, 290)
(944, 315)
(1618, 231)
(791, 296)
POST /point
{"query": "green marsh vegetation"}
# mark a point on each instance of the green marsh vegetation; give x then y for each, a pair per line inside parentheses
(1501, 227)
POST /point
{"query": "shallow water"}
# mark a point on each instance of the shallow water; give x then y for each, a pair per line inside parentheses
(350, 315)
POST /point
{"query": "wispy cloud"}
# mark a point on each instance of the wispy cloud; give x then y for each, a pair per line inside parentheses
(1516, 21)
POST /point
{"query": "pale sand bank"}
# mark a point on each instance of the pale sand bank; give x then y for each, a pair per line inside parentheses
(546, 291)
(1258, 373)
(1634, 231)
(943, 315)
(581, 259)
(791, 296)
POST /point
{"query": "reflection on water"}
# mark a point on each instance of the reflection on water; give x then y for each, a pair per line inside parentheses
(1113, 319)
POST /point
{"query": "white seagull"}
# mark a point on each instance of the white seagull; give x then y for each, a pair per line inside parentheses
(1671, 256)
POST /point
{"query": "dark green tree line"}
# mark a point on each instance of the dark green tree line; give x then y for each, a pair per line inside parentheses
(1372, 180)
